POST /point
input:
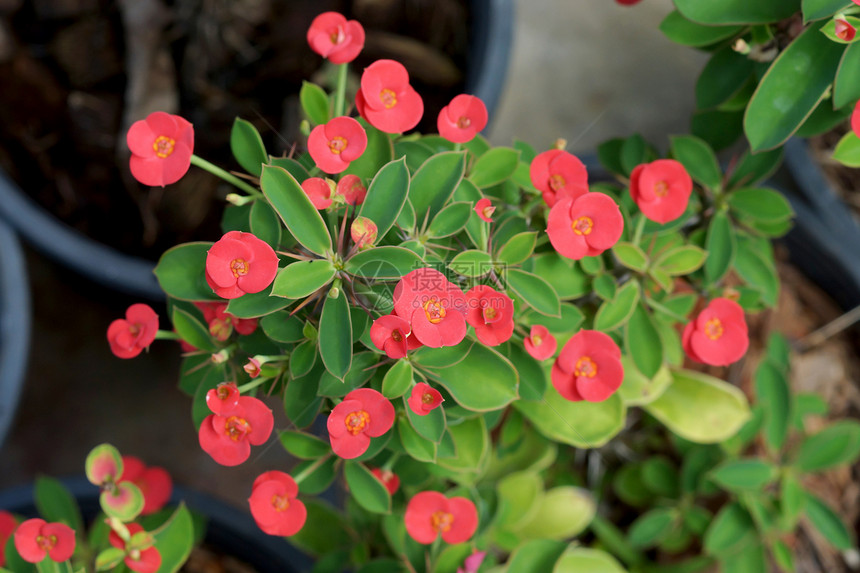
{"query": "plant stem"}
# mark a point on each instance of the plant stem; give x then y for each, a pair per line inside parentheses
(167, 335)
(640, 228)
(226, 176)
(310, 469)
(253, 384)
(340, 93)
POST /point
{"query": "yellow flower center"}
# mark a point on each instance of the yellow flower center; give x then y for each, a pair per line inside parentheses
(585, 366)
(236, 428)
(714, 328)
(388, 98)
(557, 182)
(337, 145)
(356, 421)
(434, 310)
(336, 35)
(583, 226)
(46, 543)
(427, 398)
(280, 502)
(536, 340)
(661, 189)
(441, 521)
(463, 122)
(163, 146)
(396, 336)
(239, 267)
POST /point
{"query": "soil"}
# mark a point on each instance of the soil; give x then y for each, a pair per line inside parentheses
(74, 74)
(845, 180)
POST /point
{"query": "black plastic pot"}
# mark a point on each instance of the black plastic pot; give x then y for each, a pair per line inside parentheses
(228, 530)
(15, 323)
(489, 50)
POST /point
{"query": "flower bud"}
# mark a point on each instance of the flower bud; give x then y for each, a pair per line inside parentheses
(363, 232)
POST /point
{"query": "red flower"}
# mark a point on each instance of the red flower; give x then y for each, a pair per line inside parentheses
(491, 313)
(484, 208)
(424, 399)
(240, 263)
(252, 367)
(388, 478)
(462, 119)
(363, 414)
(389, 333)
(352, 189)
(844, 30)
(855, 118)
(556, 174)
(129, 336)
(161, 147)
(385, 98)
(221, 323)
(8, 524)
(223, 399)
(334, 37)
(363, 232)
(228, 437)
(433, 306)
(430, 513)
(318, 191)
(540, 343)
(35, 539)
(588, 367)
(335, 144)
(584, 227)
(274, 504)
(661, 189)
(142, 561)
(718, 336)
(153, 482)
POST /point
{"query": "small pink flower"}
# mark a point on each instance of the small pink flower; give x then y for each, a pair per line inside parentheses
(389, 333)
(484, 208)
(855, 119)
(661, 189)
(35, 539)
(363, 232)
(228, 438)
(462, 119)
(844, 30)
(433, 307)
(252, 367)
(430, 514)
(161, 147)
(154, 482)
(363, 414)
(240, 263)
(319, 191)
(223, 399)
(275, 504)
(588, 367)
(584, 227)
(424, 399)
(491, 313)
(385, 98)
(141, 561)
(557, 174)
(352, 189)
(540, 343)
(222, 323)
(337, 143)
(719, 334)
(334, 37)
(128, 337)
(388, 478)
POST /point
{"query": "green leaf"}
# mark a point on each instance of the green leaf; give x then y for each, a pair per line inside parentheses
(688, 33)
(791, 89)
(55, 503)
(471, 445)
(758, 270)
(744, 475)
(584, 560)
(535, 555)
(519, 494)
(773, 393)
(302, 278)
(336, 335)
(386, 195)
(723, 76)
(737, 11)
(720, 245)
(314, 103)
(482, 381)
(518, 248)
(829, 29)
(303, 358)
(418, 447)
(828, 524)
(682, 260)
(281, 327)
(378, 152)
(833, 446)
(783, 556)
(386, 262)
(450, 220)
(631, 256)
(435, 182)
(749, 558)
(847, 151)
(265, 223)
(616, 312)
(533, 379)
(698, 159)
(579, 424)
(818, 9)
(652, 527)
(719, 128)
(730, 527)
(701, 408)
(661, 477)
(494, 166)
(181, 272)
(755, 167)
(637, 389)
(535, 291)
(846, 87)
(472, 263)
(643, 341)
(295, 209)
(761, 204)
(192, 330)
(257, 304)
(247, 147)
(175, 539)
(365, 489)
(398, 380)
(108, 559)
(325, 530)
(124, 501)
(304, 446)
(564, 275)
(562, 512)
(360, 371)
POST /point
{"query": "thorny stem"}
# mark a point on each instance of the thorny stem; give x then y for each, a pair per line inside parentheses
(226, 176)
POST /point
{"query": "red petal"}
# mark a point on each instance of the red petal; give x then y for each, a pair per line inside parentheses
(351, 47)
(65, 546)
(382, 74)
(260, 417)
(425, 331)
(380, 410)
(465, 520)
(132, 468)
(564, 383)
(336, 419)
(149, 562)
(495, 333)
(317, 191)
(607, 218)
(157, 486)
(418, 512)
(221, 255)
(610, 375)
(148, 171)
(222, 449)
(175, 166)
(349, 446)
(25, 540)
(140, 139)
(855, 119)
